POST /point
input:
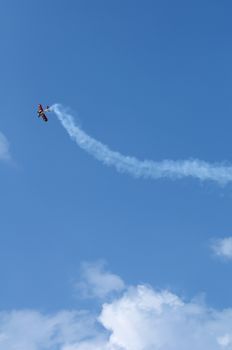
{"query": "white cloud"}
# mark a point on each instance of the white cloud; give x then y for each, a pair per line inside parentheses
(225, 340)
(141, 318)
(4, 147)
(31, 330)
(144, 319)
(96, 281)
(223, 247)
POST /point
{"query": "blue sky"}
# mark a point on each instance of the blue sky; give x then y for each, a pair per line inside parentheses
(149, 79)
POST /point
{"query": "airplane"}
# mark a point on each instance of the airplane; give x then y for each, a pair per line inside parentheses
(41, 112)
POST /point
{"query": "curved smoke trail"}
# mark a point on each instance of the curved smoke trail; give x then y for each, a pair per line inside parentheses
(147, 169)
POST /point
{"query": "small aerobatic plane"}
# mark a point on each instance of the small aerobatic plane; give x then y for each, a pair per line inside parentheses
(41, 112)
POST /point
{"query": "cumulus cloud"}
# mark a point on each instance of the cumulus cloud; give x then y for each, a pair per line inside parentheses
(145, 319)
(4, 148)
(140, 318)
(97, 281)
(223, 247)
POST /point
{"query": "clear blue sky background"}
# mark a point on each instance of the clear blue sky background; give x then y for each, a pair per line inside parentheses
(149, 78)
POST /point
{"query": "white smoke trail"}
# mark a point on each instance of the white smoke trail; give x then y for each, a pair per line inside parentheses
(195, 168)
(4, 148)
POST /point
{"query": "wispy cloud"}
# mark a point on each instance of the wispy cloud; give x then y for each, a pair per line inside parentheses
(194, 168)
(97, 281)
(222, 247)
(140, 318)
(32, 330)
(4, 147)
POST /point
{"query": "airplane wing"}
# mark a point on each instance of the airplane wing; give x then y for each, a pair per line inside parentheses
(45, 118)
(40, 108)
